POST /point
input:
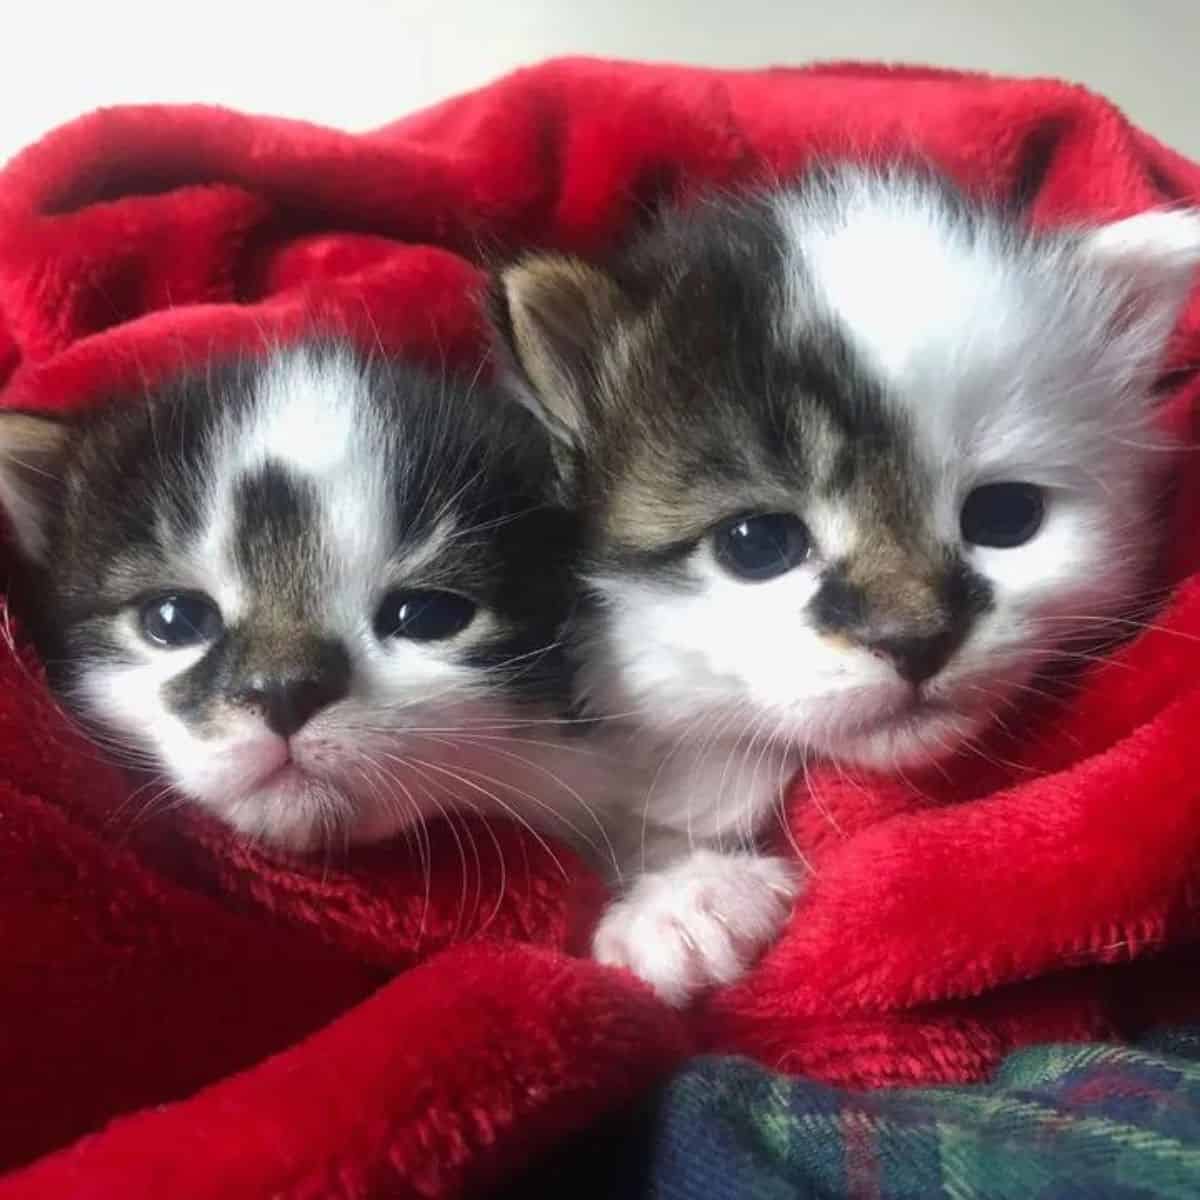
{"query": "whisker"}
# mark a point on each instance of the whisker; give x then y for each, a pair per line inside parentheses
(502, 804)
(540, 768)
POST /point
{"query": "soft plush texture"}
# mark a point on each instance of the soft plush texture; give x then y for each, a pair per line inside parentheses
(336, 1029)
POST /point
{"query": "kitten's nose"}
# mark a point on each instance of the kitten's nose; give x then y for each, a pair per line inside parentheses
(288, 700)
(917, 659)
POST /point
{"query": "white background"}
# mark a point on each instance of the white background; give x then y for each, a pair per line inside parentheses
(360, 63)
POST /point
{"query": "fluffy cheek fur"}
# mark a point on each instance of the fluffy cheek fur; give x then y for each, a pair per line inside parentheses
(719, 657)
(728, 661)
(382, 760)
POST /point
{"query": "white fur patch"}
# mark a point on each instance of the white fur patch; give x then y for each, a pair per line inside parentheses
(698, 923)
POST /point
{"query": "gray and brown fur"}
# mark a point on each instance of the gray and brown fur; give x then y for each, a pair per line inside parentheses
(124, 489)
(680, 402)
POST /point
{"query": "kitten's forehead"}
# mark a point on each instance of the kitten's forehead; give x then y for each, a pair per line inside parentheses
(312, 476)
(904, 267)
(723, 414)
(277, 547)
(947, 305)
(315, 413)
(312, 505)
(866, 346)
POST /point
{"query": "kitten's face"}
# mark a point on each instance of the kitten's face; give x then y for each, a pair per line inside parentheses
(292, 587)
(856, 461)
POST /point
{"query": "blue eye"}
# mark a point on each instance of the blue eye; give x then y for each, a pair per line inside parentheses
(1003, 515)
(423, 615)
(181, 619)
(762, 545)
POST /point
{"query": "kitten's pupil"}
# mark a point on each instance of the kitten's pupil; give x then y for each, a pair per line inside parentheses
(762, 545)
(1003, 515)
(423, 615)
(181, 619)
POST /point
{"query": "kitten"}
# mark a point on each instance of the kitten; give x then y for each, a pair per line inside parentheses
(854, 457)
(320, 594)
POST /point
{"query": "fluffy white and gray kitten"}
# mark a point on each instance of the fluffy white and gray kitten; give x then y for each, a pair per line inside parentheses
(855, 457)
(320, 595)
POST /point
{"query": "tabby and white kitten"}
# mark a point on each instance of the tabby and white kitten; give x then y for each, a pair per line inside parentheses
(854, 457)
(320, 594)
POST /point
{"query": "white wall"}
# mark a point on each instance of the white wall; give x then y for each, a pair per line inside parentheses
(359, 63)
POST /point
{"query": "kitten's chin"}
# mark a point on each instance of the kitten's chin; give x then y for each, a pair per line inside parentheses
(297, 812)
(910, 740)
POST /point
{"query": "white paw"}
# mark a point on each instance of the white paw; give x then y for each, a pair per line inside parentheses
(697, 923)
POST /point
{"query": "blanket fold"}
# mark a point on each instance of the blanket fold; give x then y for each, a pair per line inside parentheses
(214, 1023)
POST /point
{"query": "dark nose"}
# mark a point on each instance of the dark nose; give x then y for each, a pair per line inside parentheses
(917, 659)
(289, 699)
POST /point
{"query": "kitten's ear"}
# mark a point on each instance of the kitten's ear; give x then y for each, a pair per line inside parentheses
(31, 453)
(1152, 262)
(553, 314)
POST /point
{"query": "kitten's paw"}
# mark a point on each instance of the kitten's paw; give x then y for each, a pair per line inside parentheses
(697, 923)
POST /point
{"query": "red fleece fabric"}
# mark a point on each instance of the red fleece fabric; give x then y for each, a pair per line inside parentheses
(182, 1016)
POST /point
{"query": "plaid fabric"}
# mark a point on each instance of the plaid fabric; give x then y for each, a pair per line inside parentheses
(1058, 1121)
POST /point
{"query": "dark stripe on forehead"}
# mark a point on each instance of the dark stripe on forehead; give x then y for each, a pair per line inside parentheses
(822, 366)
(276, 525)
(871, 463)
(836, 399)
(735, 273)
(754, 375)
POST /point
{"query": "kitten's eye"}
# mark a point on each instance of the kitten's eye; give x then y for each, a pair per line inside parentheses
(1003, 515)
(762, 545)
(424, 615)
(181, 619)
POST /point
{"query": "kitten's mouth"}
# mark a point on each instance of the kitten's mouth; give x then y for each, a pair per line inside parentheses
(286, 771)
(920, 730)
(912, 712)
(288, 774)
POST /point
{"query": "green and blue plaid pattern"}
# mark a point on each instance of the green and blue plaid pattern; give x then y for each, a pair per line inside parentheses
(1058, 1122)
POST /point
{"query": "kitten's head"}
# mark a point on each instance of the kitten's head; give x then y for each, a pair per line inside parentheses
(292, 585)
(854, 457)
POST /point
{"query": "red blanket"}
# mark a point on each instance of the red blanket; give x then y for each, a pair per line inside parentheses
(365, 1028)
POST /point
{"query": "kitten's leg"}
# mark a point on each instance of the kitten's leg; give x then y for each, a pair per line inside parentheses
(694, 915)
